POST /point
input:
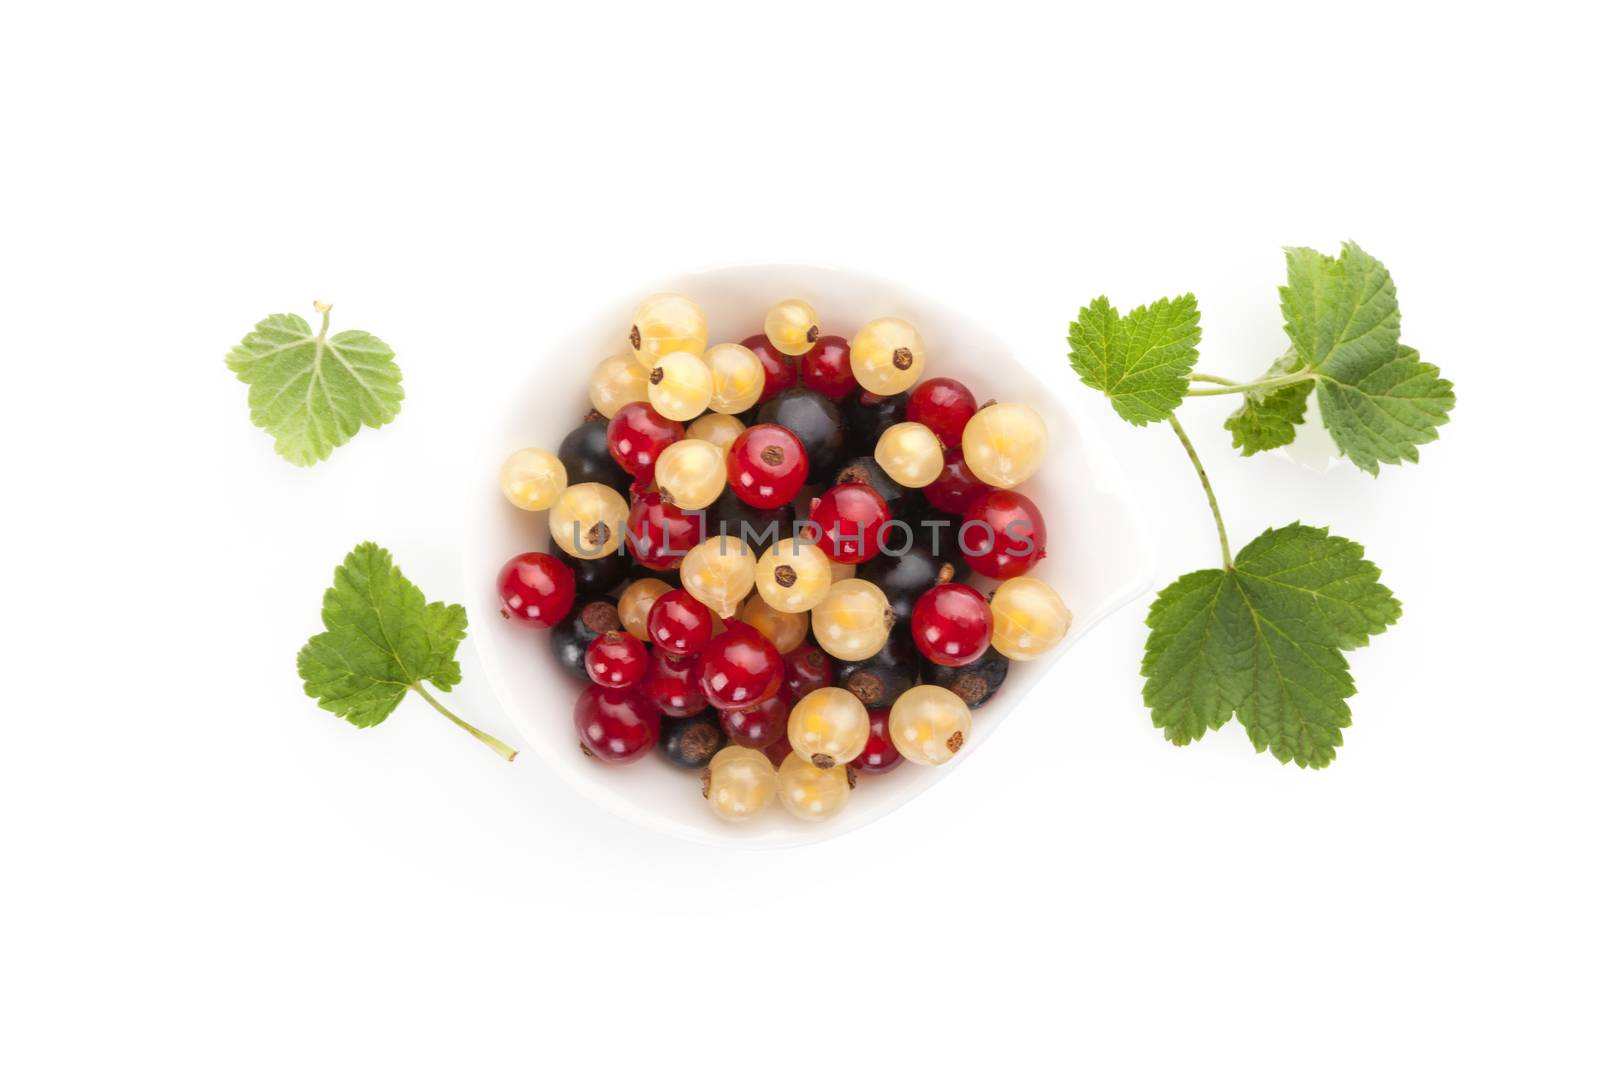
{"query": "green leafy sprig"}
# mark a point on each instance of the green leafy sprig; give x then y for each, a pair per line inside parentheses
(313, 392)
(1263, 638)
(382, 640)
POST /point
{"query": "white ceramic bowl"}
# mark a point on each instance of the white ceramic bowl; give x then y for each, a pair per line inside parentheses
(1098, 560)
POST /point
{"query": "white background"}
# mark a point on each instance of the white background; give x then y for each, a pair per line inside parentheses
(200, 866)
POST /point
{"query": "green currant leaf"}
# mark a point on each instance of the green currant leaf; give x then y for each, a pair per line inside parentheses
(1378, 399)
(1265, 640)
(1140, 360)
(313, 392)
(382, 638)
(1268, 417)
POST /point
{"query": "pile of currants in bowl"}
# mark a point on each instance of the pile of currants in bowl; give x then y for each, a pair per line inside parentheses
(767, 556)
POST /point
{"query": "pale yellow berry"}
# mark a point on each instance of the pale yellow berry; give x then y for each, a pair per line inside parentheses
(929, 724)
(887, 357)
(792, 327)
(852, 622)
(618, 380)
(667, 323)
(719, 572)
(737, 378)
(720, 430)
(1029, 618)
(1004, 444)
(794, 575)
(910, 453)
(587, 520)
(691, 473)
(633, 607)
(532, 479)
(739, 782)
(786, 631)
(810, 792)
(829, 726)
(680, 386)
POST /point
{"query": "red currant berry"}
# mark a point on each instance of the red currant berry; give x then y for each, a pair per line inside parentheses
(616, 660)
(956, 487)
(672, 685)
(851, 518)
(739, 667)
(678, 624)
(758, 725)
(1002, 535)
(880, 755)
(615, 725)
(951, 624)
(767, 466)
(536, 589)
(661, 534)
(779, 368)
(638, 434)
(779, 749)
(826, 368)
(804, 670)
(943, 405)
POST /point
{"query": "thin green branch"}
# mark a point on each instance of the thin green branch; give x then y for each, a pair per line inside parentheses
(503, 750)
(1205, 483)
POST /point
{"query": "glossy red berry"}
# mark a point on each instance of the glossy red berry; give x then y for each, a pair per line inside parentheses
(779, 750)
(951, 624)
(615, 725)
(850, 520)
(759, 725)
(739, 668)
(536, 589)
(954, 491)
(826, 368)
(672, 686)
(767, 466)
(678, 624)
(661, 534)
(1002, 535)
(880, 755)
(804, 670)
(780, 370)
(616, 660)
(637, 435)
(943, 405)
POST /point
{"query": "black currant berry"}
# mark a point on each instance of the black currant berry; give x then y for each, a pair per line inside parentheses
(570, 637)
(731, 516)
(814, 419)
(904, 578)
(596, 575)
(975, 683)
(586, 457)
(865, 470)
(879, 681)
(693, 741)
(869, 415)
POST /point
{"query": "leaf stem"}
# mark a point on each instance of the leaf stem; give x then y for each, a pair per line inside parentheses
(1277, 382)
(1205, 483)
(503, 750)
(1198, 377)
(325, 309)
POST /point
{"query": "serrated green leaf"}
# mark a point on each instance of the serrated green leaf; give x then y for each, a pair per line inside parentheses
(1265, 641)
(1268, 417)
(1382, 412)
(1378, 399)
(382, 637)
(313, 392)
(1140, 360)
